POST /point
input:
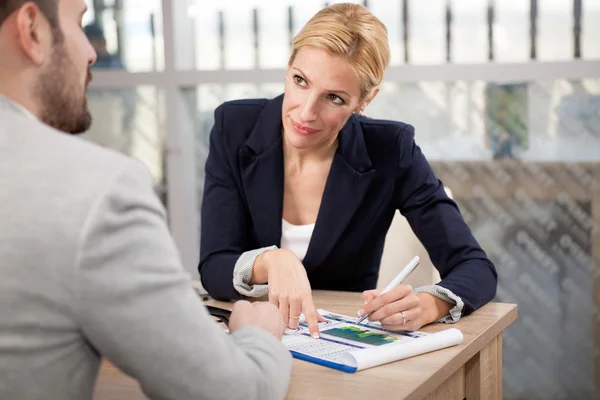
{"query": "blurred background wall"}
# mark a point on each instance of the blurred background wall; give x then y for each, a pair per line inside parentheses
(505, 98)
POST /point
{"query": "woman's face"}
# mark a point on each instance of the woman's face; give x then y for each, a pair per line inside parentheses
(321, 92)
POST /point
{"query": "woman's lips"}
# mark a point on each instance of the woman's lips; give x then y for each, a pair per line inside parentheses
(303, 130)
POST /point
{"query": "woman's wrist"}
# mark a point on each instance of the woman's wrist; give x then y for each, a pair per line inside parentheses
(260, 269)
(260, 273)
(433, 308)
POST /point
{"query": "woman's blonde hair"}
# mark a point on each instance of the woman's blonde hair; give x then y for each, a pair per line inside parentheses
(352, 32)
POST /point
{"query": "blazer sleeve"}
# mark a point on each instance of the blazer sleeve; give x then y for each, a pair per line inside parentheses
(137, 307)
(436, 220)
(224, 219)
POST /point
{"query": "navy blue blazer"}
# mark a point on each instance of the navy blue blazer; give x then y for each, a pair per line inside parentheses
(377, 169)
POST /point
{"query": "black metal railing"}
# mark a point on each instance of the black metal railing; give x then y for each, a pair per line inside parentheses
(406, 22)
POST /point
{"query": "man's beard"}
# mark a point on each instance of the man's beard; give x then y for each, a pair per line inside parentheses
(63, 100)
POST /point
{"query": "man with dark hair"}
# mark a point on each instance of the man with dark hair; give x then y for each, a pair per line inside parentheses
(49, 8)
(61, 97)
(88, 268)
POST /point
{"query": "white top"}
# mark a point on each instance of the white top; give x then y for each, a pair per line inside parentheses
(296, 237)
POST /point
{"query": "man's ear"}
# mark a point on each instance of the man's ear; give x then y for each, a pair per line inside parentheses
(33, 33)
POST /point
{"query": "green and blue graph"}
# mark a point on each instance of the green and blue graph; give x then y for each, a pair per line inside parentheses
(360, 335)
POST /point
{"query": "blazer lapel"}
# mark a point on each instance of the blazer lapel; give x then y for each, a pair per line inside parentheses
(347, 184)
(261, 164)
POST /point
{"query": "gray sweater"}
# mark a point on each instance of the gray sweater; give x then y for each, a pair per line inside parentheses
(88, 270)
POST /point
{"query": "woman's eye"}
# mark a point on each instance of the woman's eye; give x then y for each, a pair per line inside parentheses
(335, 99)
(299, 80)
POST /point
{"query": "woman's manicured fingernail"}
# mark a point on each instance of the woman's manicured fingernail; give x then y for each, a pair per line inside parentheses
(315, 335)
(361, 312)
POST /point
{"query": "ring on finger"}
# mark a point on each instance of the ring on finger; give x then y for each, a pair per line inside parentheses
(403, 318)
(298, 317)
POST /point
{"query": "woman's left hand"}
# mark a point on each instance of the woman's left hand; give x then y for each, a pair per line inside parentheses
(400, 309)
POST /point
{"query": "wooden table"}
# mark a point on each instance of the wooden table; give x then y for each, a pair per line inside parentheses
(472, 370)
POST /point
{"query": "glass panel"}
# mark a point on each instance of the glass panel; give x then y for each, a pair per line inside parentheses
(390, 13)
(555, 30)
(239, 51)
(130, 120)
(590, 35)
(534, 210)
(470, 31)
(511, 31)
(126, 34)
(427, 32)
(542, 121)
(205, 22)
(274, 36)
(198, 29)
(274, 43)
(443, 114)
(539, 225)
(303, 11)
(239, 47)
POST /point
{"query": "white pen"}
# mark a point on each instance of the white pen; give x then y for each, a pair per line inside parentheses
(396, 281)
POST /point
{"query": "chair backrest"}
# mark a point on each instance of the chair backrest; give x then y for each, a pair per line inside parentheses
(401, 245)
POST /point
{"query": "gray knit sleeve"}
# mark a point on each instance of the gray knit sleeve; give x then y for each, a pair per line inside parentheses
(242, 272)
(446, 295)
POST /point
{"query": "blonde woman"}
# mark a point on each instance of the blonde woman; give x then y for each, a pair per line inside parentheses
(301, 190)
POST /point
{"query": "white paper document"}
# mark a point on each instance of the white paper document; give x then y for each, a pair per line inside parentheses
(352, 347)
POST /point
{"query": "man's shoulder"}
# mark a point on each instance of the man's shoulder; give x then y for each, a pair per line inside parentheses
(54, 183)
(82, 157)
(67, 160)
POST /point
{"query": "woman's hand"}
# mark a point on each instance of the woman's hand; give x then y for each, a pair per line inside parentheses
(398, 309)
(289, 288)
(402, 309)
